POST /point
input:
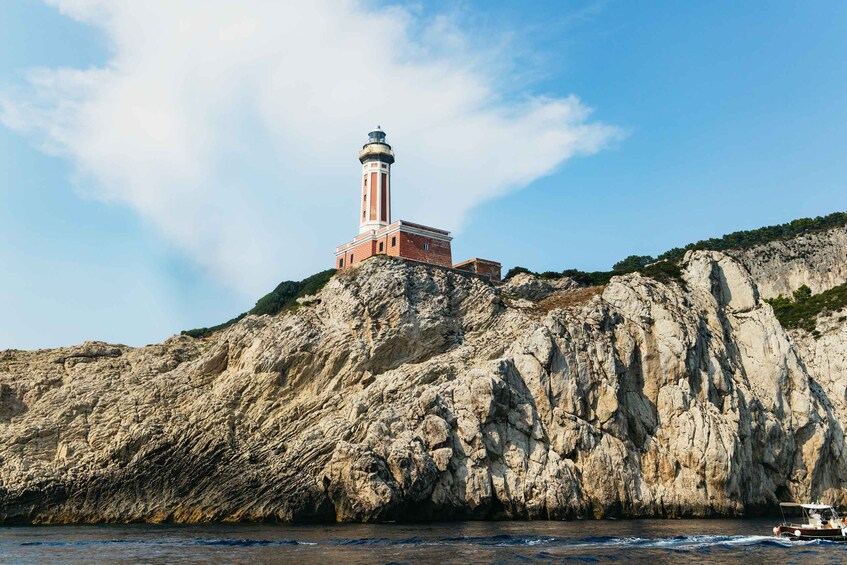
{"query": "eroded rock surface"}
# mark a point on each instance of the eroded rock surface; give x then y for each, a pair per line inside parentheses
(407, 392)
(530, 287)
(817, 260)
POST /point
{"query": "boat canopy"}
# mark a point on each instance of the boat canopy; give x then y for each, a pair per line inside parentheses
(807, 506)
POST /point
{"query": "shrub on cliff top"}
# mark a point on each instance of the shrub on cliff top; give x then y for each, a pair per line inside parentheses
(286, 293)
(283, 297)
(752, 238)
(662, 271)
(666, 266)
(632, 263)
(516, 271)
(801, 311)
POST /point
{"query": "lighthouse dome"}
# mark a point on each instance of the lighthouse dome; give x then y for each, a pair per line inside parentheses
(376, 149)
(376, 136)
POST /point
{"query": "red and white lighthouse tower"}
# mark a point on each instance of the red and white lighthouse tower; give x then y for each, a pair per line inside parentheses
(376, 157)
(378, 235)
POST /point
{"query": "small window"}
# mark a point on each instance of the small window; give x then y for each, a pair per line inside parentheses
(340, 262)
(364, 197)
(351, 258)
(381, 244)
(366, 181)
(373, 165)
(393, 242)
(363, 214)
(426, 247)
(384, 166)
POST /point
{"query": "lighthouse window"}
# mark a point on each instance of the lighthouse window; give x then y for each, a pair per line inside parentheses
(363, 214)
(351, 258)
(393, 242)
(340, 263)
(426, 247)
(380, 246)
(384, 166)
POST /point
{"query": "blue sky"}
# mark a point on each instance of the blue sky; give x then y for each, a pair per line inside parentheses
(706, 118)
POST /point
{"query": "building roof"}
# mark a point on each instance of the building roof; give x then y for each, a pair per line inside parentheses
(420, 227)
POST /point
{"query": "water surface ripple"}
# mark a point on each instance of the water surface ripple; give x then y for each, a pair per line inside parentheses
(608, 541)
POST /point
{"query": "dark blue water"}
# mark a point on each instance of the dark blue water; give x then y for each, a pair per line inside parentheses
(609, 541)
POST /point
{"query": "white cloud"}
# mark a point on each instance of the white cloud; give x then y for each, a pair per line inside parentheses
(232, 127)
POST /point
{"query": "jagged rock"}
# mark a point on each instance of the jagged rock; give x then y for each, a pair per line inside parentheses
(818, 260)
(408, 392)
(530, 287)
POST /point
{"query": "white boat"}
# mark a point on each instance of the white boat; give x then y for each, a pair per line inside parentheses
(819, 521)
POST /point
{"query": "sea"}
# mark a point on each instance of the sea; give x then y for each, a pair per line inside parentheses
(585, 541)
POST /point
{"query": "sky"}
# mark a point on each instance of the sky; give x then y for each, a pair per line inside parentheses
(165, 163)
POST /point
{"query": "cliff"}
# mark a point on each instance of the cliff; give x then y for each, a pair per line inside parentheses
(817, 260)
(403, 391)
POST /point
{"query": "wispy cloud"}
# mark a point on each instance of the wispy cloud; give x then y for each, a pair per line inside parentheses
(232, 127)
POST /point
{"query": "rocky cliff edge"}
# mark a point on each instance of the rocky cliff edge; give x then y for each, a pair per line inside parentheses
(408, 392)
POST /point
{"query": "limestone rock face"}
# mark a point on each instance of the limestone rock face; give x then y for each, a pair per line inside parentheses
(825, 357)
(531, 287)
(404, 391)
(818, 260)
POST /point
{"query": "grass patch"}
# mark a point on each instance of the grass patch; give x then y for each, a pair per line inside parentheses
(282, 298)
(568, 299)
(802, 309)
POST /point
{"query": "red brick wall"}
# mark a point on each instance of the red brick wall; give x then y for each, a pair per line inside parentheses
(384, 201)
(408, 245)
(372, 215)
(394, 250)
(369, 248)
(490, 269)
(360, 253)
(364, 196)
(385, 241)
(412, 247)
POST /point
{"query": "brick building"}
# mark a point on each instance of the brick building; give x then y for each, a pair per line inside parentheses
(490, 269)
(378, 235)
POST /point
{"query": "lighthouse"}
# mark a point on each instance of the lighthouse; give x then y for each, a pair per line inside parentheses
(380, 235)
(376, 157)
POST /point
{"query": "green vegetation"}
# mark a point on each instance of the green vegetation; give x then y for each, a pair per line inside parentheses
(633, 263)
(590, 278)
(662, 271)
(516, 271)
(802, 309)
(203, 332)
(283, 297)
(751, 238)
(582, 277)
(666, 266)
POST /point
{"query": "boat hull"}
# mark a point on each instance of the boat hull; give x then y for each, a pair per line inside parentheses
(807, 534)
